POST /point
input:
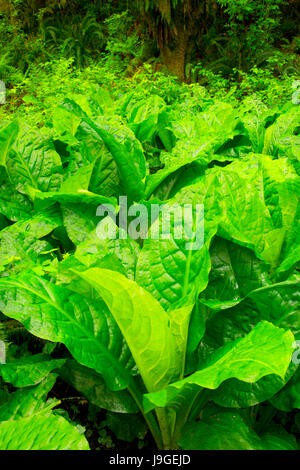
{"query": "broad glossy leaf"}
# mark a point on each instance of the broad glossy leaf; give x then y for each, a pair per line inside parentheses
(64, 122)
(29, 370)
(41, 432)
(79, 221)
(95, 247)
(27, 423)
(227, 430)
(234, 273)
(121, 143)
(8, 136)
(246, 219)
(277, 303)
(288, 398)
(127, 153)
(290, 256)
(265, 350)
(14, 205)
(34, 162)
(22, 245)
(78, 180)
(92, 386)
(105, 179)
(143, 323)
(284, 126)
(183, 154)
(143, 117)
(83, 324)
(81, 196)
(126, 427)
(236, 394)
(171, 269)
(29, 401)
(244, 216)
(281, 189)
(219, 122)
(78, 204)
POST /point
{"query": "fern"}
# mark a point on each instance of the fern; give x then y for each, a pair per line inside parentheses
(79, 40)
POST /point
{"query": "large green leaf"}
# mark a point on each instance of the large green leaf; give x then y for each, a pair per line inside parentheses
(80, 219)
(29, 424)
(126, 152)
(143, 117)
(234, 273)
(184, 154)
(29, 370)
(42, 432)
(93, 387)
(290, 255)
(226, 430)
(246, 219)
(143, 323)
(277, 303)
(96, 247)
(22, 245)
(170, 268)
(14, 205)
(265, 350)
(34, 162)
(288, 398)
(284, 126)
(8, 136)
(281, 189)
(83, 324)
(81, 196)
(29, 401)
(236, 394)
(125, 149)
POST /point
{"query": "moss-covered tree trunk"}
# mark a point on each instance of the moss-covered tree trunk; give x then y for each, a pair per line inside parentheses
(173, 24)
(173, 54)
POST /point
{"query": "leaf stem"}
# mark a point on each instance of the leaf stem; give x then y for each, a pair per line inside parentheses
(148, 417)
(165, 427)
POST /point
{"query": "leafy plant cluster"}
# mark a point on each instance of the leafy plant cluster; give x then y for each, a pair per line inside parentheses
(176, 36)
(196, 348)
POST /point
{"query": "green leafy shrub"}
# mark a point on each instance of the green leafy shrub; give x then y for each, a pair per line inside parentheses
(195, 346)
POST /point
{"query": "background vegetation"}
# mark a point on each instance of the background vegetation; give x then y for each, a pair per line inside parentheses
(241, 46)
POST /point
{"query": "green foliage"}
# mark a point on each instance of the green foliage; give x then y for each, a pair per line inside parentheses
(197, 347)
(78, 40)
(27, 422)
(155, 329)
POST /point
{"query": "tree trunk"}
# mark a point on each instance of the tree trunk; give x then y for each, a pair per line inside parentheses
(173, 31)
(173, 55)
